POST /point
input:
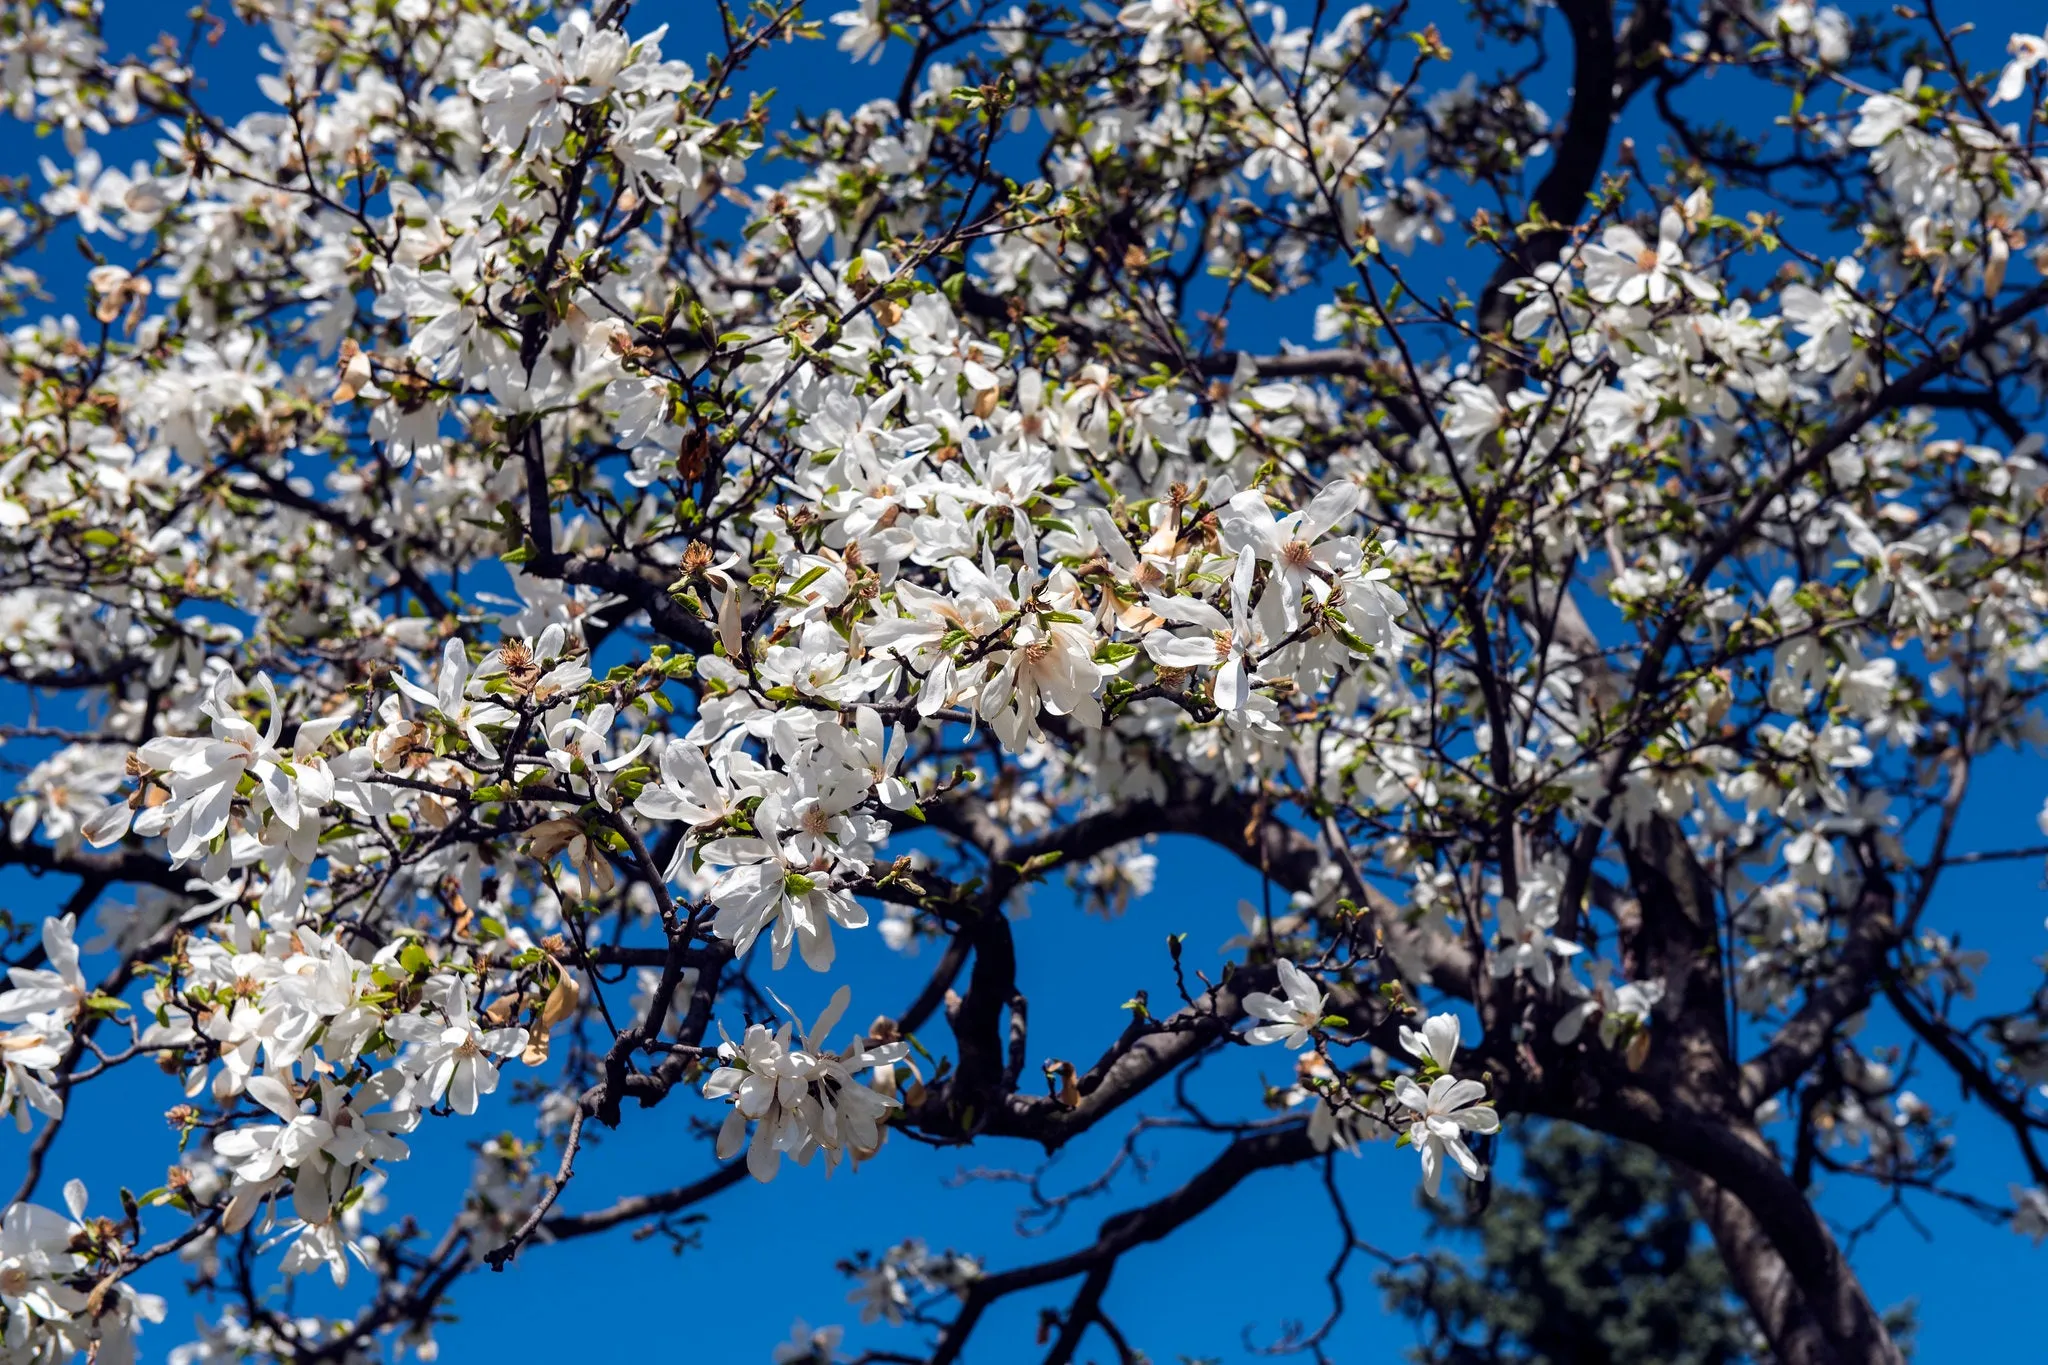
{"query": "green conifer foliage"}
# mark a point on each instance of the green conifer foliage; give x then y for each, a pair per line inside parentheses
(1591, 1257)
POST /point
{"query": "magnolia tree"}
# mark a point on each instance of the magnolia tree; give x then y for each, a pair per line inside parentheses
(524, 547)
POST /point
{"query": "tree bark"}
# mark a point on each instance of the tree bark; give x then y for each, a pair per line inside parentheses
(1760, 1274)
(1688, 1105)
(1779, 1251)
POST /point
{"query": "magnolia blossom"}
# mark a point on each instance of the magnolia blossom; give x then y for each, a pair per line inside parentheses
(1883, 114)
(1448, 1109)
(1342, 1123)
(808, 1346)
(2030, 1214)
(2028, 51)
(865, 31)
(885, 1289)
(59, 989)
(1292, 546)
(781, 880)
(30, 1054)
(205, 775)
(1290, 1017)
(1623, 1009)
(453, 1058)
(1831, 318)
(1229, 644)
(1625, 269)
(800, 1098)
(45, 1275)
(449, 698)
(1526, 943)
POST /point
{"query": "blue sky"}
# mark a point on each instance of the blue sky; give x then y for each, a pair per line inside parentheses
(767, 1255)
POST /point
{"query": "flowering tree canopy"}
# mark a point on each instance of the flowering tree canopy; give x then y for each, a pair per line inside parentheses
(523, 547)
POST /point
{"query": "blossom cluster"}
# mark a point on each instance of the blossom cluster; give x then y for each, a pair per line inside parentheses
(527, 548)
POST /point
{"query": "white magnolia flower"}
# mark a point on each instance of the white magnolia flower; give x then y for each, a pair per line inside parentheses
(865, 31)
(1446, 1111)
(35, 1263)
(1831, 319)
(1293, 546)
(449, 698)
(1436, 1041)
(2028, 51)
(1526, 943)
(1230, 645)
(1625, 269)
(30, 1054)
(59, 989)
(1882, 115)
(808, 1346)
(865, 750)
(453, 1057)
(205, 775)
(1291, 1017)
(1620, 1008)
(800, 1098)
(781, 878)
(2030, 1212)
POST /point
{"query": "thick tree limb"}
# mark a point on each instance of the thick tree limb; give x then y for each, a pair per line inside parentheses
(1760, 1274)
(1846, 989)
(119, 865)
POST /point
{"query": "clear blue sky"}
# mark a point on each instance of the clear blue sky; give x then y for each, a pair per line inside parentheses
(768, 1255)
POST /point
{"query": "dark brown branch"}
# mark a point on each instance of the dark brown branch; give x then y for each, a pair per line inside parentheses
(120, 865)
(1760, 1274)
(1149, 1223)
(1845, 990)
(1606, 71)
(561, 1227)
